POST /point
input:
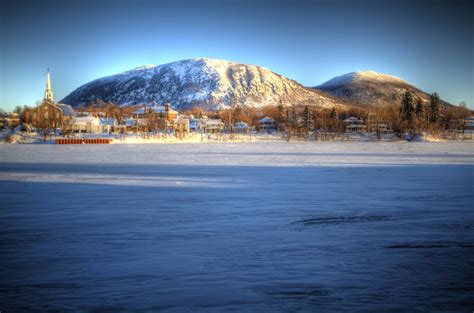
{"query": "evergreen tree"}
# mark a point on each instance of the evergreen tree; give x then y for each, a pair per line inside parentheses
(308, 120)
(407, 109)
(333, 114)
(294, 118)
(434, 108)
(419, 109)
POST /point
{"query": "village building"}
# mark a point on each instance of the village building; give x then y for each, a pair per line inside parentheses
(86, 124)
(241, 127)
(267, 124)
(469, 122)
(159, 111)
(50, 114)
(213, 126)
(108, 124)
(127, 125)
(181, 127)
(10, 120)
(155, 117)
(354, 124)
(195, 124)
(380, 128)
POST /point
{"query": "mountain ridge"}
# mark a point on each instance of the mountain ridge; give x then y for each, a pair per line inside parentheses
(205, 82)
(215, 84)
(370, 88)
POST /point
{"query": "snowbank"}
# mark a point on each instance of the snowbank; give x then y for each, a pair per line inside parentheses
(25, 137)
(270, 153)
(17, 137)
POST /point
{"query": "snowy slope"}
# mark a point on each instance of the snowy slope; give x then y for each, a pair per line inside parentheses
(361, 76)
(370, 88)
(205, 82)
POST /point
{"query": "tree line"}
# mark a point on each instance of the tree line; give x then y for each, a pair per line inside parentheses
(413, 115)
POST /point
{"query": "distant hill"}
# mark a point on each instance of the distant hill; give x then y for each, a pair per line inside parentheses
(370, 88)
(209, 83)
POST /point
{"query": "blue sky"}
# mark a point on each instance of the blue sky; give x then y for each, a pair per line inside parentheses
(428, 43)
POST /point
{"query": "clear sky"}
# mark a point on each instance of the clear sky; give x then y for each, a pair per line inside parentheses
(428, 43)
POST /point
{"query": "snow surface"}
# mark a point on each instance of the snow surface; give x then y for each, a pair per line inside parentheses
(254, 227)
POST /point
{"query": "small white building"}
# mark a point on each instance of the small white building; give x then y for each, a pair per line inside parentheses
(241, 127)
(108, 124)
(93, 124)
(354, 124)
(86, 124)
(213, 126)
(196, 124)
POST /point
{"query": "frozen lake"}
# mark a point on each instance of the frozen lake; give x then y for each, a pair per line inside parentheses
(253, 227)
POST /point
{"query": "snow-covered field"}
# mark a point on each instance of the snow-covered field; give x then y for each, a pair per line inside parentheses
(254, 227)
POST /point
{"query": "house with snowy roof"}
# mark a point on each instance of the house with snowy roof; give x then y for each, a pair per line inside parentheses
(267, 124)
(92, 124)
(354, 124)
(241, 127)
(86, 124)
(195, 124)
(108, 124)
(213, 126)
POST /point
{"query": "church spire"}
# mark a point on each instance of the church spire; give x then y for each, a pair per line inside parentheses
(48, 93)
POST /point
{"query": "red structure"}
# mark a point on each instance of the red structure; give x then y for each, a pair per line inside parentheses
(76, 141)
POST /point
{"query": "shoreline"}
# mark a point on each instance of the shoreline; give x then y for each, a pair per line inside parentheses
(198, 138)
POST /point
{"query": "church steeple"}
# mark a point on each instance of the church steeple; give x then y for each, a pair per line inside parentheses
(48, 93)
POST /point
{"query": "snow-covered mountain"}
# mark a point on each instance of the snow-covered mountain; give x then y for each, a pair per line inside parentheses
(370, 88)
(209, 83)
